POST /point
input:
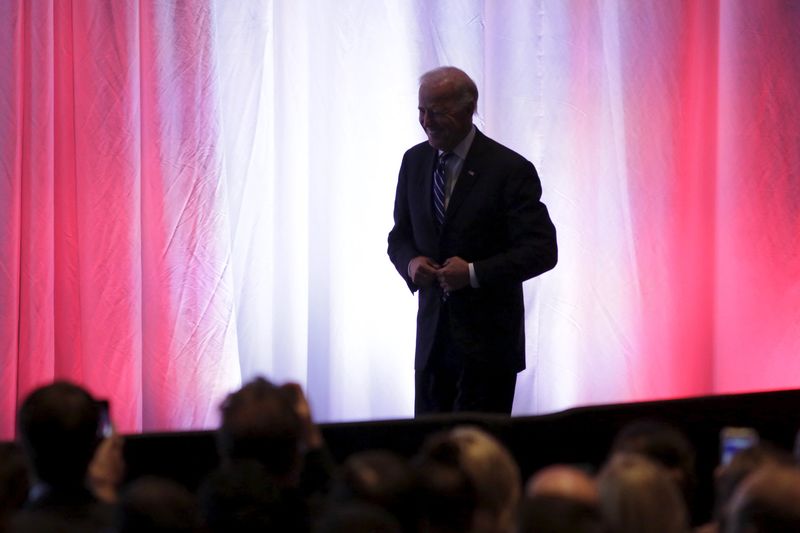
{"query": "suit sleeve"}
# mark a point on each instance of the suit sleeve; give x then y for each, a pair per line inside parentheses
(402, 248)
(530, 234)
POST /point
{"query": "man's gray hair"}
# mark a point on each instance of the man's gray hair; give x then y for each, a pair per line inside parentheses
(466, 90)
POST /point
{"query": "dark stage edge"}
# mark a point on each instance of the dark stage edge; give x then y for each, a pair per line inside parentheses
(579, 436)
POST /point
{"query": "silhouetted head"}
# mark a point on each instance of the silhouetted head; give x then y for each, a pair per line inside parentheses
(59, 431)
(259, 422)
(663, 443)
(766, 502)
(637, 495)
(563, 481)
(727, 478)
(469, 482)
(380, 478)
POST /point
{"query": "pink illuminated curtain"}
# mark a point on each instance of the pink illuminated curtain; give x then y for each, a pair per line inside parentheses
(197, 192)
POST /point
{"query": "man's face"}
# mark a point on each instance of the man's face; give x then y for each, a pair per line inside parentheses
(445, 122)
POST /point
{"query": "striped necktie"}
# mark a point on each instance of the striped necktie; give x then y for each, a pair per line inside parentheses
(439, 184)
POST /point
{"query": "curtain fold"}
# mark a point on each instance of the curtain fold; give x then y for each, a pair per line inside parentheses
(197, 192)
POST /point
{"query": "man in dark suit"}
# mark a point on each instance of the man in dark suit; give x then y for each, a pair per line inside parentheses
(469, 228)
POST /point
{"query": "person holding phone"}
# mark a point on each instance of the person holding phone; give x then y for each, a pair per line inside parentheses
(60, 432)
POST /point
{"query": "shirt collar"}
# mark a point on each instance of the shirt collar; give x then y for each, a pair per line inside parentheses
(462, 148)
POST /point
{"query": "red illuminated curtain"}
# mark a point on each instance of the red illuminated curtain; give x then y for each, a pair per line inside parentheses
(196, 192)
(115, 248)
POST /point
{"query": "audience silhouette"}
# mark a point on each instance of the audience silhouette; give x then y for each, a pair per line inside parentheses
(60, 433)
(65, 473)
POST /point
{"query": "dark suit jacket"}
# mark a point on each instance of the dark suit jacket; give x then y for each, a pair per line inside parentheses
(496, 221)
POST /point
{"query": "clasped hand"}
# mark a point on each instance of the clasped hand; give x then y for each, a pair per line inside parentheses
(451, 276)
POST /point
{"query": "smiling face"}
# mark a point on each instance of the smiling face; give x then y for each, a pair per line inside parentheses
(443, 112)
